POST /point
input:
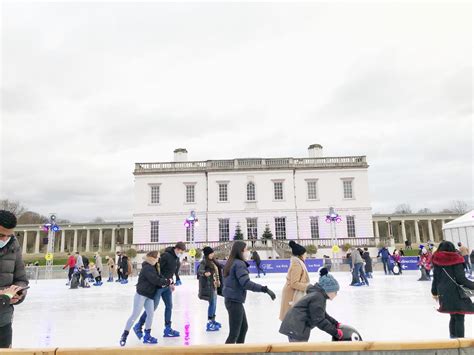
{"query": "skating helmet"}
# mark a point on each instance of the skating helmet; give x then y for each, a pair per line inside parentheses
(349, 333)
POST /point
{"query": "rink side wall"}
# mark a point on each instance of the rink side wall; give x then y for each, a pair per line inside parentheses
(445, 347)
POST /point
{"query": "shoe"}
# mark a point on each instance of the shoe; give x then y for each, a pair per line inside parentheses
(217, 324)
(123, 338)
(110, 280)
(137, 329)
(211, 327)
(148, 339)
(170, 333)
(178, 283)
(118, 280)
(96, 284)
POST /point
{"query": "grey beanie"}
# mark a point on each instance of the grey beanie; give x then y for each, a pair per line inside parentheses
(328, 283)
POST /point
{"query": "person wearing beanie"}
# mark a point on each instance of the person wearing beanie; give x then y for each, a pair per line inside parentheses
(310, 311)
(169, 264)
(297, 279)
(210, 279)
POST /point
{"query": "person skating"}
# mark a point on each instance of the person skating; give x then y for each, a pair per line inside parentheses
(236, 284)
(256, 258)
(98, 264)
(425, 264)
(12, 273)
(168, 264)
(464, 251)
(397, 260)
(111, 267)
(149, 280)
(358, 269)
(95, 275)
(70, 264)
(449, 271)
(297, 279)
(118, 262)
(327, 263)
(368, 263)
(385, 255)
(125, 268)
(79, 261)
(310, 311)
(209, 283)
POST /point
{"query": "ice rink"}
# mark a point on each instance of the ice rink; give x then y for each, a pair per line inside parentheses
(392, 308)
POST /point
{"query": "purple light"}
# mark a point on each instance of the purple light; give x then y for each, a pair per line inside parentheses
(328, 220)
(186, 224)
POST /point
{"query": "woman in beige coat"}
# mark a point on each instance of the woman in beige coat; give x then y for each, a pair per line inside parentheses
(297, 279)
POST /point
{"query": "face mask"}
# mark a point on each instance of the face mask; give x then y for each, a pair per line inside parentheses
(4, 242)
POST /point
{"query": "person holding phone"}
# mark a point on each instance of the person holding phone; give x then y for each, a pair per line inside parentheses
(12, 273)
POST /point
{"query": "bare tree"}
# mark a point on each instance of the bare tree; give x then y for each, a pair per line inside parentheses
(14, 207)
(30, 217)
(459, 207)
(98, 220)
(403, 208)
(424, 211)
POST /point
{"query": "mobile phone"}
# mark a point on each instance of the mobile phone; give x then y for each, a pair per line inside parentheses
(19, 293)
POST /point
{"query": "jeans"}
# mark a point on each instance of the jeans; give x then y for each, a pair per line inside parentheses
(359, 270)
(70, 272)
(386, 266)
(456, 326)
(259, 269)
(6, 336)
(166, 294)
(211, 311)
(237, 322)
(140, 302)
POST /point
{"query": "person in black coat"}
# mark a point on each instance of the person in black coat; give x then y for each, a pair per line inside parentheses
(149, 280)
(169, 262)
(310, 311)
(368, 263)
(449, 271)
(258, 262)
(123, 265)
(209, 282)
(236, 284)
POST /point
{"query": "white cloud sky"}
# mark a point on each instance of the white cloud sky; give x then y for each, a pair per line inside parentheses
(90, 88)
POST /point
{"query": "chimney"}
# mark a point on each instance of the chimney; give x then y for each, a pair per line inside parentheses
(180, 154)
(315, 151)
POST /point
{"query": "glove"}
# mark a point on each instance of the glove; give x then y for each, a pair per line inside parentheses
(178, 283)
(340, 334)
(266, 290)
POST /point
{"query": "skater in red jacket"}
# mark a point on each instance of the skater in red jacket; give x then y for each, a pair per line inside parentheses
(425, 264)
(71, 264)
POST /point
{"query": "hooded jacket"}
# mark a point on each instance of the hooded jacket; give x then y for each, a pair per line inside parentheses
(308, 313)
(12, 272)
(450, 300)
(169, 263)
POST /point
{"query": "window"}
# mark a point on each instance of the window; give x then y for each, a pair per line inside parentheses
(189, 193)
(188, 234)
(312, 190)
(250, 191)
(280, 228)
(223, 193)
(223, 229)
(155, 194)
(252, 231)
(314, 222)
(155, 231)
(351, 231)
(347, 185)
(278, 189)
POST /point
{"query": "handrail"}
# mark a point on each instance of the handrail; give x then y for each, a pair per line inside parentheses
(360, 347)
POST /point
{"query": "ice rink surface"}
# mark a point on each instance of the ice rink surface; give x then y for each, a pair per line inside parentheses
(393, 308)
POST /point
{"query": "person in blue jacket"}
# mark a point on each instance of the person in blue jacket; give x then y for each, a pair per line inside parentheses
(236, 284)
(385, 254)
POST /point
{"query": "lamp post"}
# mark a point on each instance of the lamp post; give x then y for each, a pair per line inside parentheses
(332, 218)
(51, 227)
(191, 222)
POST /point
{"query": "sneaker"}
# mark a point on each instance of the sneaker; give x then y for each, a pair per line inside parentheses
(211, 327)
(170, 333)
(148, 339)
(137, 329)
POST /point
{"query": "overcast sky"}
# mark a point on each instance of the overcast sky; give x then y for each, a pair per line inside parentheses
(88, 89)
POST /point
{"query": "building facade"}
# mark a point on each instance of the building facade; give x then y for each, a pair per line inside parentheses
(290, 195)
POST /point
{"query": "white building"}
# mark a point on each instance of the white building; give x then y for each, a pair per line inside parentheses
(291, 195)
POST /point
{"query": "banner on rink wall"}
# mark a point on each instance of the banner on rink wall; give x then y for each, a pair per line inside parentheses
(409, 263)
(281, 265)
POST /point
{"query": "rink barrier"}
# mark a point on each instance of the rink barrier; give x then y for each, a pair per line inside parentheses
(451, 347)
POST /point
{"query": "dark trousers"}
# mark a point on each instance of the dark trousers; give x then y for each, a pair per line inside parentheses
(237, 322)
(70, 272)
(119, 274)
(456, 326)
(259, 269)
(6, 336)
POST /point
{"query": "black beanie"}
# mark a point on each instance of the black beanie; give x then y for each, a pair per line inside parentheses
(207, 251)
(296, 249)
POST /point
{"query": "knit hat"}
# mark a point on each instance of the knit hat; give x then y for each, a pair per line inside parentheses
(207, 251)
(328, 283)
(296, 249)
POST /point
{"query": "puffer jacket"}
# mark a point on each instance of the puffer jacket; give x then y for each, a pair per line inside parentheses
(238, 282)
(450, 301)
(149, 280)
(308, 313)
(12, 272)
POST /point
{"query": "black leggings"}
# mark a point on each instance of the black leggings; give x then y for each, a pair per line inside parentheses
(237, 322)
(6, 336)
(456, 326)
